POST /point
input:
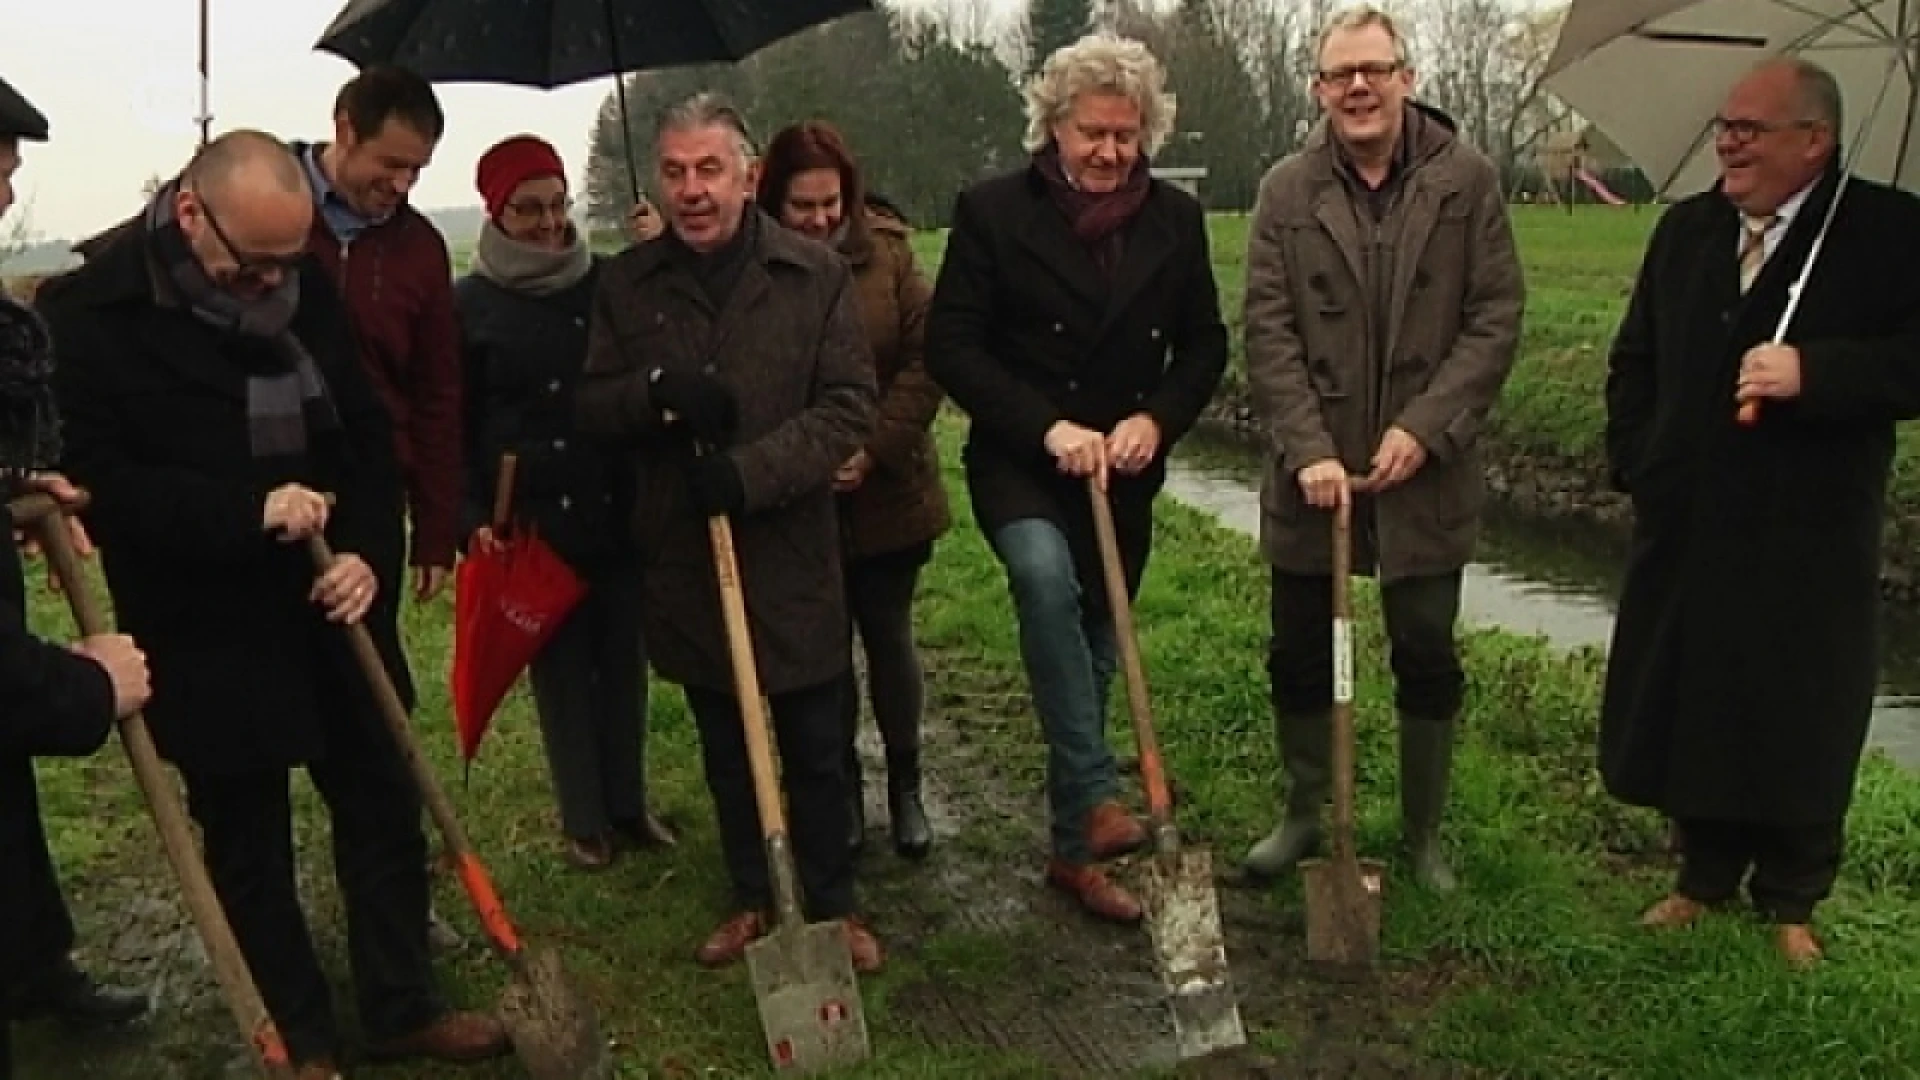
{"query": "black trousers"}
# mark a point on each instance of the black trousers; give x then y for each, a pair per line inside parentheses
(379, 860)
(1420, 614)
(1788, 869)
(37, 931)
(809, 726)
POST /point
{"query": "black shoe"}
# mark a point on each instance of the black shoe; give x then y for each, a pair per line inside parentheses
(912, 836)
(67, 993)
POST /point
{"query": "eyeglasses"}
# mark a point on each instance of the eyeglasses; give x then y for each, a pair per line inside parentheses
(533, 208)
(1745, 131)
(247, 264)
(1375, 73)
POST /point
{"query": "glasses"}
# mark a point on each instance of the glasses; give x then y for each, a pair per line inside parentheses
(1375, 73)
(248, 264)
(533, 208)
(1745, 131)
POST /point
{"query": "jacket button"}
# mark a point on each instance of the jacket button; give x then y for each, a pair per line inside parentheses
(566, 503)
(1156, 333)
(553, 387)
(1073, 384)
(1059, 328)
(578, 321)
(559, 444)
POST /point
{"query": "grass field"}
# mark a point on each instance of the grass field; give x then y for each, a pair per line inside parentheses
(1535, 969)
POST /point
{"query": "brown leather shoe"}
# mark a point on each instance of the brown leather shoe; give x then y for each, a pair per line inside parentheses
(590, 852)
(1096, 893)
(729, 941)
(318, 1069)
(1673, 911)
(1112, 832)
(454, 1037)
(1797, 943)
(867, 955)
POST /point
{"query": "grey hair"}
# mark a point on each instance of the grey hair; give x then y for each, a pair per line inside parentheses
(707, 109)
(1819, 92)
(1360, 17)
(1099, 63)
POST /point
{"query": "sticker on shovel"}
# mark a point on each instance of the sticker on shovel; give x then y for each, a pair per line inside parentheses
(1342, 660)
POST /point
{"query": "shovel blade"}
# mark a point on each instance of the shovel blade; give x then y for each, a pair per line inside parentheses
(1343, 912)
(555, 1032)
(809, 1000)
(1190, 951)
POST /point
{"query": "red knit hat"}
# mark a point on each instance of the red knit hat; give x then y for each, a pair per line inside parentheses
(510, 163)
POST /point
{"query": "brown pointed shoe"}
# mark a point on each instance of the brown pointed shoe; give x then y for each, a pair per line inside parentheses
(1798, 945)
(1673, 911)
(729, 941)
(454, 1037)
(1112, 832)
(867, 954)
(1095, 891)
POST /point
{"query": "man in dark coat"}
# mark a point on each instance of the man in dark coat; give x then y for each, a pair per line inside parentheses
(728, 354)
(1076, 321)
(54, 701)
(213, 400)
(1743, 662)
(1383, 308)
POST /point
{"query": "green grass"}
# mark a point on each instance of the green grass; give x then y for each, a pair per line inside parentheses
(1535, 969)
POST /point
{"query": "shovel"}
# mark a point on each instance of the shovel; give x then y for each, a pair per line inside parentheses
(48, 523)
(1343, 891)
(802, 973)
(554, 1029)
(1183, 910)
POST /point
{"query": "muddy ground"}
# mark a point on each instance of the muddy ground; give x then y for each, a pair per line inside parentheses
(1022, 970)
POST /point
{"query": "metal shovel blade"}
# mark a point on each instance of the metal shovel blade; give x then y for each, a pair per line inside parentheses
(809, 1002)
(1343, 898)
(1190, 951)
(555, 1032)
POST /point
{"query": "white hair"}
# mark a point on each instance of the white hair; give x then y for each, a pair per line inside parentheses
(1100, 63)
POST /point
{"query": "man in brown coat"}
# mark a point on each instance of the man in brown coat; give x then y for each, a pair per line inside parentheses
(1382, 312)
(729, 354)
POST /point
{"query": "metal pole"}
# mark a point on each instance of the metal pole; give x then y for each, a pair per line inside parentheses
(206, 107)
(620, 91)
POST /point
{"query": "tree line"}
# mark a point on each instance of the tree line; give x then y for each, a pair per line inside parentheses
(928, 95)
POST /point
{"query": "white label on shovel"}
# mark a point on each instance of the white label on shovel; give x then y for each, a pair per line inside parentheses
(1342, 661)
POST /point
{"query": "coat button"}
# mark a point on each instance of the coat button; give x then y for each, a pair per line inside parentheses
(1059, 328)
(566, 503)
(1073, 384)
(559, 444)
(1156, 333)
(553, 387)
(578, 321)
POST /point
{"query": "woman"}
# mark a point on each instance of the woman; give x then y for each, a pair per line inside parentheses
(1077, 322)
(523, 318)
(892, 504)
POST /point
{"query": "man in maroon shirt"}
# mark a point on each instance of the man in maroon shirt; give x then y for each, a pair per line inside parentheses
(392, 266)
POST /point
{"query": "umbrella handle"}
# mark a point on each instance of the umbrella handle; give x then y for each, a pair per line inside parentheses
(503, 491)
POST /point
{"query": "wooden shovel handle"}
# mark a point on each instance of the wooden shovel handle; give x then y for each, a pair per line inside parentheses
(49, 525)
(1153, 772)
(1343, 737)
(473, 874)
(503, 491)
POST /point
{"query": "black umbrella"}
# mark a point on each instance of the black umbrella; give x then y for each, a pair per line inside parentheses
(551, 43)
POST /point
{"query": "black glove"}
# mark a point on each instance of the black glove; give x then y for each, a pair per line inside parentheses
(714, 486)
(701, 404)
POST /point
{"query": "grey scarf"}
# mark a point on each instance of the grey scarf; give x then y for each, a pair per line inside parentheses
(510, 264)
(286, 395)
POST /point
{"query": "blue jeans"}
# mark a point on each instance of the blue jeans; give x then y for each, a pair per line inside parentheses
(1070, 659)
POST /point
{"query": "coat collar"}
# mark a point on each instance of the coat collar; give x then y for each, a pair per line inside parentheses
(1150, 239)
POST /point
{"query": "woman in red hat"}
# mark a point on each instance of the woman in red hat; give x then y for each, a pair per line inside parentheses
(524, 311)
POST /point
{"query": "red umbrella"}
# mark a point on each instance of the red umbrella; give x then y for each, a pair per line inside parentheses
(507, 603)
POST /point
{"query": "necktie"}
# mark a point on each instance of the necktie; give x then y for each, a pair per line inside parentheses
(1753, 247)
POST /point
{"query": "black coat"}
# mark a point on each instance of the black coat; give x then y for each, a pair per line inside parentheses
(524, 357)
(1024, 332)
(1744, 654)
(155, 407)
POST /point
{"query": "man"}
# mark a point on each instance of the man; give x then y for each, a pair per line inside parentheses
(214, 404)
(54, 701)
(730, 355)
(1743, 664)
(392, 266)
(1077, 322)
(1382, 314)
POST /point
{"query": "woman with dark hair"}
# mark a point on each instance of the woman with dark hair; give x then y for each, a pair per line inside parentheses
(892, 504)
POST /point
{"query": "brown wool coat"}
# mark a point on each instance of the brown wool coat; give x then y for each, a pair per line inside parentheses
(1352, 329)
(902, 502)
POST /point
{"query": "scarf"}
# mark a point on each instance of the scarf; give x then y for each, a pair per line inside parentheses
(522, 267)
(1098, 218)
(286, 396)
(29, 422)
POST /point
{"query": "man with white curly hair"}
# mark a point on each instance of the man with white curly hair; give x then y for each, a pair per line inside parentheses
(1077, 322)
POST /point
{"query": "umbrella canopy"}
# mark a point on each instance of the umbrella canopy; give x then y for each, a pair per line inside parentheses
(507, 604)
(1652, 74)
(550, 43)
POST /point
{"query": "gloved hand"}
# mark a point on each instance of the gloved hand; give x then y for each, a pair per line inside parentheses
(701, 405)
(714, 486)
